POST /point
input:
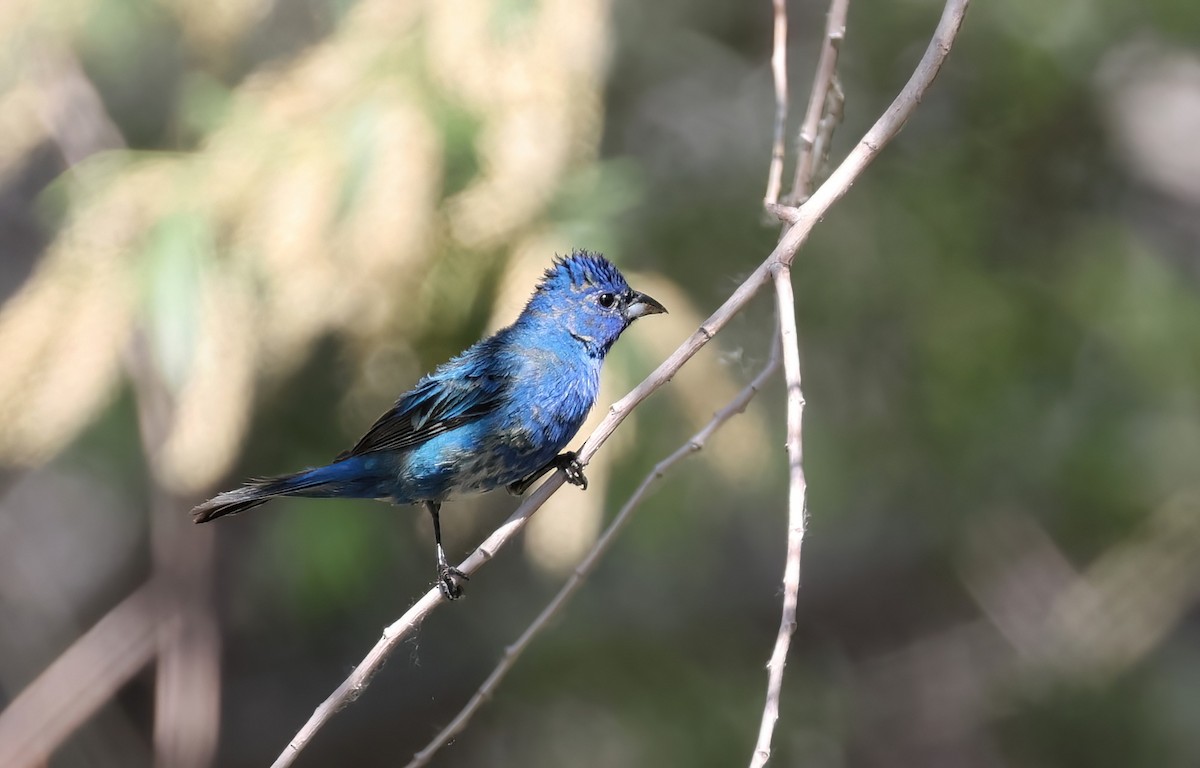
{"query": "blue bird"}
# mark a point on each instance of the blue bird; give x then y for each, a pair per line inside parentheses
(496, 415)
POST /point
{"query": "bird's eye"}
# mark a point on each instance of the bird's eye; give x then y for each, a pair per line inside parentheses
(607, 300)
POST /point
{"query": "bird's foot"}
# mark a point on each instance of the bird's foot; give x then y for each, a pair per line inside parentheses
(450, 581)
(569, 464)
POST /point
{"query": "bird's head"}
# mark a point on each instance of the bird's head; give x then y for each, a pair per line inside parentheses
(585, 295)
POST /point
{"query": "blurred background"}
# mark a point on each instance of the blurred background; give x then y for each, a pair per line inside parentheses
(232, 232)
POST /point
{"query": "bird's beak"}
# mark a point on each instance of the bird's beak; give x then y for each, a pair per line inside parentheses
(641, 304)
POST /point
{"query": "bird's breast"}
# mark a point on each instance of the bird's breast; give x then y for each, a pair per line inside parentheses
(559, 389)
(552, 398)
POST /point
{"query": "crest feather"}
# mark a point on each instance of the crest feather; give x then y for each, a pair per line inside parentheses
(581, 268)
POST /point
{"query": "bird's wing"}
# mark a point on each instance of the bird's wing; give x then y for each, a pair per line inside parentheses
(465, 389)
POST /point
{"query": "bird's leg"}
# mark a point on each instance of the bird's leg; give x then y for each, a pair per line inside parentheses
(449, 578)
(519, 487)
(568, 462)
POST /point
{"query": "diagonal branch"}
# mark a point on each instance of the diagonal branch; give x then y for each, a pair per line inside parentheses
(513, 652)
(806, 218)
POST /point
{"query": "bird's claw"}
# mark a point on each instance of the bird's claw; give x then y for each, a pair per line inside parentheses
(571, 467)
(450, 581)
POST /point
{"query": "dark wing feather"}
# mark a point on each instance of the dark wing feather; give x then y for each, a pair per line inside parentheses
(463, 390)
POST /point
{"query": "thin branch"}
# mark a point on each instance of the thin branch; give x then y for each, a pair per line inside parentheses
(696, 443)
(779, 75)
(789, 342)
(835, 104)
(823, 84)
(807, 216)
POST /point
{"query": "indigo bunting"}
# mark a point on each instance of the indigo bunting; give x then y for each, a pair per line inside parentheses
(496, 415)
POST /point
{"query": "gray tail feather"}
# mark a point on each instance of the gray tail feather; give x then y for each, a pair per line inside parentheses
(255, 493)
(228, 503)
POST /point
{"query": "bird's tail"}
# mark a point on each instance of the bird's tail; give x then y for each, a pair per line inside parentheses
(321, 481)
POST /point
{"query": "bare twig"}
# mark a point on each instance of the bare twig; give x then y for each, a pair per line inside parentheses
(789, 343)
(779, 75)
(807, 216)
(697, 442)
(835, 103)
(823, 84)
